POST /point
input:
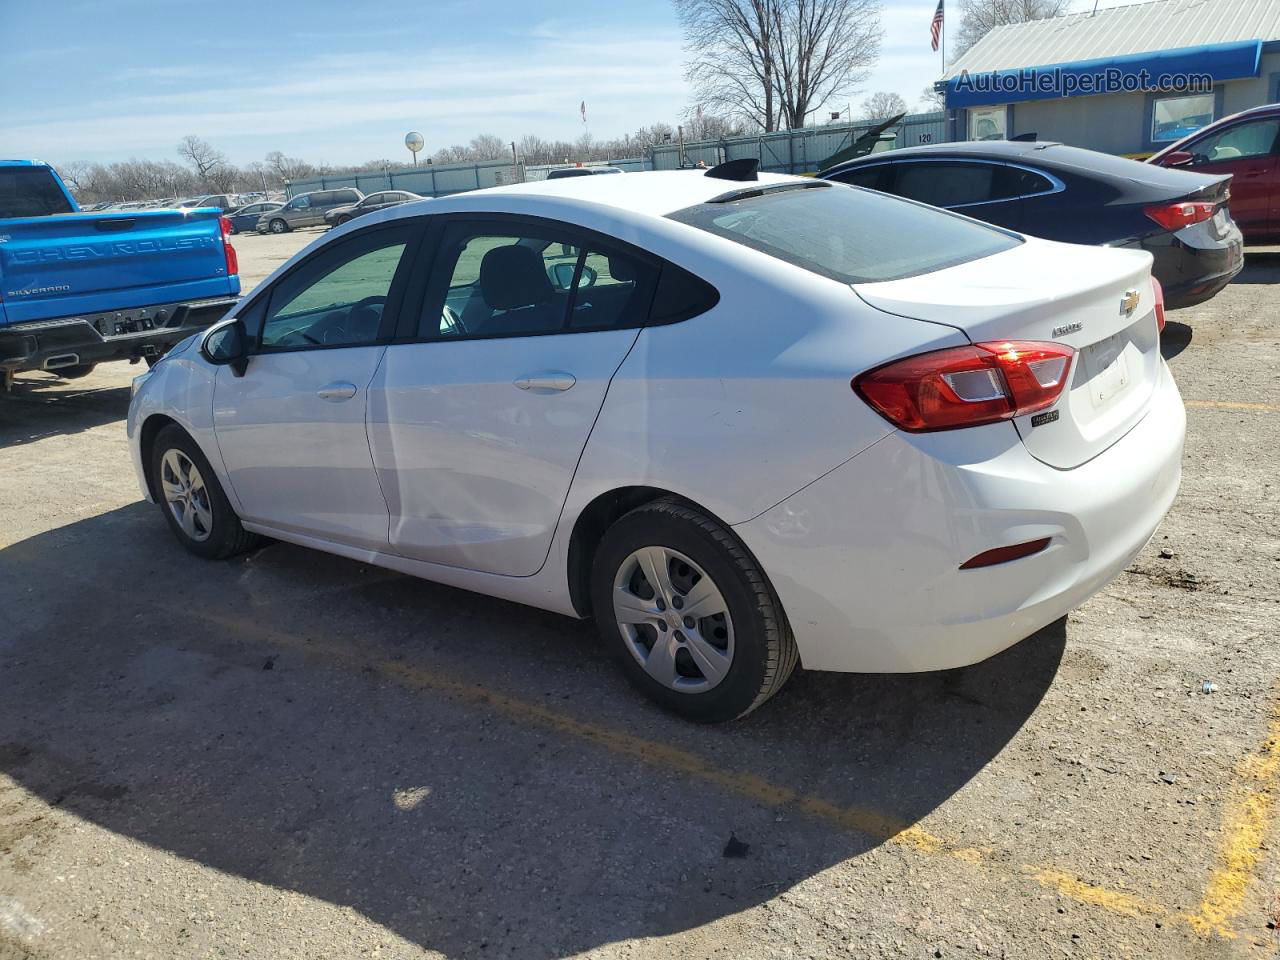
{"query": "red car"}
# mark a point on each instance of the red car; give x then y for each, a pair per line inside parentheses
(1247, 146)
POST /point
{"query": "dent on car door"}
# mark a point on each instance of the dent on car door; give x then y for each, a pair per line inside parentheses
(477, 428)
(291, 430)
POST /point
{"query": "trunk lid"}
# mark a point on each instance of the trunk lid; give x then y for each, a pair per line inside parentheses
(70, 264)
(1065, 293)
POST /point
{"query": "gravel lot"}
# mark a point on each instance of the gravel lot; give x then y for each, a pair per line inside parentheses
(293, 755)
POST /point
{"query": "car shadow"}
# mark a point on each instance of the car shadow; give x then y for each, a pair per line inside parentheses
(40, 406)
(1175, 338)
(307, 722)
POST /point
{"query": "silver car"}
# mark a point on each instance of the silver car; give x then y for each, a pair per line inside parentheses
(307, 209)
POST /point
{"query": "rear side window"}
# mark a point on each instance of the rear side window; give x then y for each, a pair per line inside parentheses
(344, 196)
(681, 295)
(946, 184)
(853, 236)
(30, 192)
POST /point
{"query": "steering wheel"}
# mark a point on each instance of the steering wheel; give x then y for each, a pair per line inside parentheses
(451, 321)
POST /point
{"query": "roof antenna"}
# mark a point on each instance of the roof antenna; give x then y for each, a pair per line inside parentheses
(742, 169)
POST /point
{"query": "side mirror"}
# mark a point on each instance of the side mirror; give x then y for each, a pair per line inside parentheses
(227, 346)
(1179, 158)
(562, 275)
(589, 276)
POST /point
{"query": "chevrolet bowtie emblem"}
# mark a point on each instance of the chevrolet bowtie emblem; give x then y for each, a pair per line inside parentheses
(1129, 303)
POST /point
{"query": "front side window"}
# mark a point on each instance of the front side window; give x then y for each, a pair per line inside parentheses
(872, 177)
(338, 296)
(300, 203)
(530, 280)
(1173, 118)
(1244, 140)
(852, 236)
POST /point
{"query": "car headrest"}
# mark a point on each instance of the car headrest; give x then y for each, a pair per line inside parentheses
(514, 276)
(622, 269)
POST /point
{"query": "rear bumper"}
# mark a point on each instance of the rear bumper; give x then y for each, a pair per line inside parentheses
(866, 559)
(117, 335)
(1192, 264)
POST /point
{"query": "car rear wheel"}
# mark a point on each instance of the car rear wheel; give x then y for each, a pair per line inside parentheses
(689, 614)
(279, 226)
(192, 499)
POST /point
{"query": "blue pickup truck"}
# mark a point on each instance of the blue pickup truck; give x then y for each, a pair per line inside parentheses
(77, 289)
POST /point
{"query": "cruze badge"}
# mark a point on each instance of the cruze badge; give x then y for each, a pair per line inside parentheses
(1067, 328)
(1129, 303)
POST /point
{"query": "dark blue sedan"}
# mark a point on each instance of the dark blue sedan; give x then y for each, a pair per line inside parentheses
(245, 219)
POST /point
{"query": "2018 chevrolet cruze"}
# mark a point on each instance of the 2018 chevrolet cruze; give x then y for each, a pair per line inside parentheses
(739, 422)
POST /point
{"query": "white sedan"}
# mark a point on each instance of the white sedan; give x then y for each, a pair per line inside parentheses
(740, 421)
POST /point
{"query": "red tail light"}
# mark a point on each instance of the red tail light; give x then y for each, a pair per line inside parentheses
(1175, 216)
(1159, 292)
(233, 262)
(967, 386)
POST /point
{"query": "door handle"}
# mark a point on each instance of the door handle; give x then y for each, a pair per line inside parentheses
(556, 382)
(337, 391)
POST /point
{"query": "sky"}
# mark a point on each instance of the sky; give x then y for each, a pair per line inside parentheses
(342, 82)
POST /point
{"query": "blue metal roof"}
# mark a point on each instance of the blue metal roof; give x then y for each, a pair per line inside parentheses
(1119, 74)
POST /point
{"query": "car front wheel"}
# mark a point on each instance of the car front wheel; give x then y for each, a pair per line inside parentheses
(192, 499)
(279, 226)
(688, 613)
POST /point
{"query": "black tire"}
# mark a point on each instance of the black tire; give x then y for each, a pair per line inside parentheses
(342, 220)
(226, 537)
(278, 226)
(764, 649)
(76, 372)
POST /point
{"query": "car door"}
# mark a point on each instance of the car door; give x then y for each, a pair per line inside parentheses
(477, 426)
(1247, 151)
(291, 430)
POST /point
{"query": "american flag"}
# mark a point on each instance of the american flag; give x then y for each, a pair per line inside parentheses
(935, 28)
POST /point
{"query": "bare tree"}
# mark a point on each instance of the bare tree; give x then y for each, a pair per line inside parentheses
(979, 17)
(932, 99)
(882, 105)
(824, 48)
(732, 56)
(288, 168)
(774, 62)
(488, 146)
(204, 158)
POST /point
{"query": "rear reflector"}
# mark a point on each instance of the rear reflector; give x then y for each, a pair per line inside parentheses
(990, 558)
(1175, 216)
(1159, 292)
(967, 386)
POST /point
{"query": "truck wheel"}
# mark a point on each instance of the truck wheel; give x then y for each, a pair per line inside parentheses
(688, 613)
(279, 226)
(74, 373)
(192, 500)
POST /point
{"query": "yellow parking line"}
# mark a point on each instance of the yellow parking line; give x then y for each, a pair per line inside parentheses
(1113, 900)
(871, 823)
(1231, 405)
(1244, 830)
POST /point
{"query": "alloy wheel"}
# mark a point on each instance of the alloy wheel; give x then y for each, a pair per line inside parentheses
(186, 494)
(673, 619)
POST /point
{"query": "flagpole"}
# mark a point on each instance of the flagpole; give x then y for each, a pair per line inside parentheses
(942, 39)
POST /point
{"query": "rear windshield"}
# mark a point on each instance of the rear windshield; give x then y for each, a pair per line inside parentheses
(30, 192)
(846, 233)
